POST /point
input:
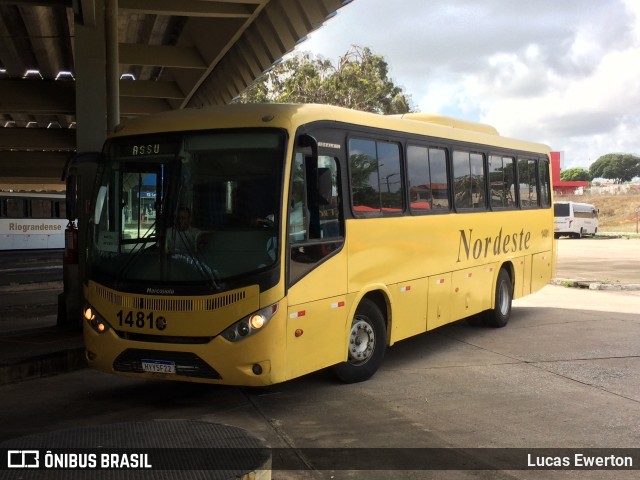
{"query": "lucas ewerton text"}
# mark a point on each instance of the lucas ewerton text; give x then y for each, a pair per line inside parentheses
(580, 460)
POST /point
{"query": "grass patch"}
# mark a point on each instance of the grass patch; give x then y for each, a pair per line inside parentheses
(617, 212)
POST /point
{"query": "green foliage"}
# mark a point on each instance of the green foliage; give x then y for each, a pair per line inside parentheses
(575, 174)
(360, 81)
(619, 167)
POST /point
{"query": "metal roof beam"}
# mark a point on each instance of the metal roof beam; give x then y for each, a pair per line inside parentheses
(133, 106)
(150, 89)
(187, 8)
(25, 164)
(38, 3)
(38, 97)
(161, 55)
(37, 138)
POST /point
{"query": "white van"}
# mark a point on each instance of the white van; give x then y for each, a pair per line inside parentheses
(574, 219)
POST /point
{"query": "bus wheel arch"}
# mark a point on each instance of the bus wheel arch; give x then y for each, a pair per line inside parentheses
(367, 339)
(498, 316)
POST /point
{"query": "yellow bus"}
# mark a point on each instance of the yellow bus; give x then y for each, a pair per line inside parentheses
(253, 244)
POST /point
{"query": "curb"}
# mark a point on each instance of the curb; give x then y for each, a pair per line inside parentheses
(23, 287)
(595, 284)
(63, 361)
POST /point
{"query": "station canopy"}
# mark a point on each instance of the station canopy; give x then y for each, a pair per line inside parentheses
(171, 54)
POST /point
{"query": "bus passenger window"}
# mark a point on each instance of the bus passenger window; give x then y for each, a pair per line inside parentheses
(16, 208)
(376, 178)
(427, 171)
(439, 185)
(528, 179)
(545, 184)
(501, 181)
(41, 208)
(469, 180)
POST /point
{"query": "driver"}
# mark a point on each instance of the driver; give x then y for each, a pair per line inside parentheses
(182, 237)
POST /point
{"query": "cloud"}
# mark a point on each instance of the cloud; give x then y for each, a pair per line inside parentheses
(560, 72)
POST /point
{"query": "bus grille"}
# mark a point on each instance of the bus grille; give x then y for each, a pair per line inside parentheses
(170, 304)
(145, 337)
(187, 364)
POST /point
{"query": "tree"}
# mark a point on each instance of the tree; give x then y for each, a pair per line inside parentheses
(573, 174)
(359, 81)
(619, 167)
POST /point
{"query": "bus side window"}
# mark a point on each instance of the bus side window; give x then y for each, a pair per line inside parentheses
(545, 183)
(469, 180)
(17, 208)
(528, 181)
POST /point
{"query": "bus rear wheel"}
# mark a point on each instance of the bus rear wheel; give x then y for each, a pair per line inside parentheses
(498, 316)
(367, 344)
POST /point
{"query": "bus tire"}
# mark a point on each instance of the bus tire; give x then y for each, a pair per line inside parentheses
(367, 344)
(498, 316)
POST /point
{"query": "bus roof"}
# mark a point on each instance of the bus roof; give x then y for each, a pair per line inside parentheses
(290, 116)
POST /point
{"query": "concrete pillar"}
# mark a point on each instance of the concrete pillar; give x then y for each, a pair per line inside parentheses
(91, 132)
(91, 83)
(112, 64)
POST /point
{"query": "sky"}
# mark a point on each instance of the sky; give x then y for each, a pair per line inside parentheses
(561, 72)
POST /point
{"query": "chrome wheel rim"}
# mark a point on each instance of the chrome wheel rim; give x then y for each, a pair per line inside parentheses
(503, 298)
(362, 341)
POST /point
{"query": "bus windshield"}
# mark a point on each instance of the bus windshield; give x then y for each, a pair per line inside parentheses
(190, 208)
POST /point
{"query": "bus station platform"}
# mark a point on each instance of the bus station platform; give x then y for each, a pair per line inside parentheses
(32, 344)
(39, 352)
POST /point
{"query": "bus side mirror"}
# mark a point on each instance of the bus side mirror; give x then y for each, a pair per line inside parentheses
(308, 143)
(325, 186)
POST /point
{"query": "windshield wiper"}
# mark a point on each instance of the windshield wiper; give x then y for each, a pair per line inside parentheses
(137, 249)
(207, 273)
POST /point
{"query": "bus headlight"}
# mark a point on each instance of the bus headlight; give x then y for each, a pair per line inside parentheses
(94, 319)
(250, 324)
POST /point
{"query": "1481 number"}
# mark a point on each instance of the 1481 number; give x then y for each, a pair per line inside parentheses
(136, 319)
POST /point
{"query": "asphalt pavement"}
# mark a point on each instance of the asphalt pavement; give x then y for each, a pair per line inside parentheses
(563, 374)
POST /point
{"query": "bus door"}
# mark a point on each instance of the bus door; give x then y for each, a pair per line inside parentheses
(316, 263)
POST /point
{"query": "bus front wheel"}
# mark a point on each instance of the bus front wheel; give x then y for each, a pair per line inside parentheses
(367, 344)
(498, 316)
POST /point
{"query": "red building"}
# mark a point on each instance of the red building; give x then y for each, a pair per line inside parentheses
(560, 187)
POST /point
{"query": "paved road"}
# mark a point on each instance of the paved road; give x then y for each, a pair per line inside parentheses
(561, 374)
(30, 281)
(27, 266)
(564, 373)
(613, 260)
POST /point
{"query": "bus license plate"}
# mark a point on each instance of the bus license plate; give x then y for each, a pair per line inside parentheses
(158, 366)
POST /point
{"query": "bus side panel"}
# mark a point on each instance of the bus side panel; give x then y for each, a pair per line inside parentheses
(439, 303)
(409, 316)
(522, 268)
(316, 335)
(471, 290)
(395, 249)
(518, 276)
(541, 270)
(318, 309)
